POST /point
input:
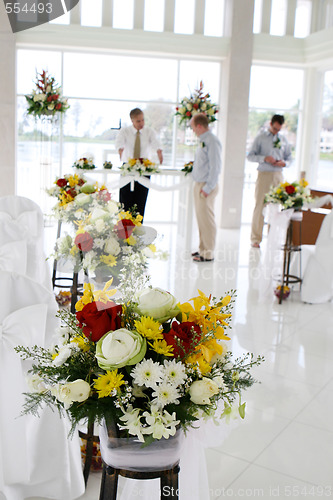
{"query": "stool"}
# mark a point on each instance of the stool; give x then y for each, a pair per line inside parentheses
(91, 439)
(288, 250)
(168, 476)
(168, 481)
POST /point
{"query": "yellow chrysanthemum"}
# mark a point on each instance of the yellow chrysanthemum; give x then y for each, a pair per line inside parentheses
(149, 328)
(109, 382)
(82, 342)
(161, 347)
(109, 260)
(131, 240)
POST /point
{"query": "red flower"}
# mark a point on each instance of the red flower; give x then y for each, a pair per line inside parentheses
(55, 97)
(84, 242)
(71, 192)
(188, 113)
(80, 182)
(98, 318)
(61, 182)
(196, 106)
(186, 333)
(49, 99)
(124, 228)
(58, 106)
(290, 189)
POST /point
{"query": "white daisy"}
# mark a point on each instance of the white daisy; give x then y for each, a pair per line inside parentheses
(174, 372)
(147, 373)
(165, 394)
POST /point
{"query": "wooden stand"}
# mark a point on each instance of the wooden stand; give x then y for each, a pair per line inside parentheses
(288, 250)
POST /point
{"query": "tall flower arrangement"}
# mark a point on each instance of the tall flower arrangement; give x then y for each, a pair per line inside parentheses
(288, 195)
(46, 98)
(198, 102)
(150, 365)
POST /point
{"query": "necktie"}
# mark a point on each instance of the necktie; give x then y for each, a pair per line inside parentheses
(137, 145)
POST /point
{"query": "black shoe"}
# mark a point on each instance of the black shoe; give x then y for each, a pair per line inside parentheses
(194, 254)
(199, 258)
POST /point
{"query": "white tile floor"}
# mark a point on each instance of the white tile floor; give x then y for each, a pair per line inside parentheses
(284, 447)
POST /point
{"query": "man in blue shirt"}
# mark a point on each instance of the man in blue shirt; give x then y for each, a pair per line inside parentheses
(206, 169)
(273, 153)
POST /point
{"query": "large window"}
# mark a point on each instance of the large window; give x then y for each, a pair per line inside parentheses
(324, 178)
(101, 90)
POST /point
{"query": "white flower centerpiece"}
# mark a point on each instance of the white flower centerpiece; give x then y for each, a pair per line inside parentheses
(139, 166)
(198, 102)
(84, 163)
(150, 365)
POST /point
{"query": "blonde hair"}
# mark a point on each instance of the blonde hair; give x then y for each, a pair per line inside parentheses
(200, 119)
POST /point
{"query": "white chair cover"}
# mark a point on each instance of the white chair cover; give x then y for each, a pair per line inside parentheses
(36, 456)
(22, 219)
(317, 284)
(13, 257)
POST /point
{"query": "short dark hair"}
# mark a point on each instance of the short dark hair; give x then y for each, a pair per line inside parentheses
(135, 112)
(200, 119)
(278, 118)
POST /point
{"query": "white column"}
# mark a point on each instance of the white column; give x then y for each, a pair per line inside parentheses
(7, 106)
(139, 11)
(234, 112)
(169, 15)
(75, 14)
(309, 128)
(199, 22)
(291, 15)
(266, 16)
(107, 17)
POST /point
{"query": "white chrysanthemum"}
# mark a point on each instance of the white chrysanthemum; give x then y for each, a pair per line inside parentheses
(174, 372)
(165, 394)
(98, 243)
(147, 373)
(90, 262)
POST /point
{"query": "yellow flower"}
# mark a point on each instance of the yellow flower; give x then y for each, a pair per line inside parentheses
(90, 295)
(86, 298)
(278, 191)
(152, 247)
(303, 183)
(74, 251)
(149, 328)
(109, 260)
(82, 342)
(198, 359)
(127, 215)
(161, 347)
(131, 240)
(106, 384)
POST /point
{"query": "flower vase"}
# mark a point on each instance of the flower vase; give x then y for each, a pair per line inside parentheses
(132, 455)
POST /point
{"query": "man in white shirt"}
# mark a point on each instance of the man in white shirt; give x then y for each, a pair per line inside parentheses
(136, 141)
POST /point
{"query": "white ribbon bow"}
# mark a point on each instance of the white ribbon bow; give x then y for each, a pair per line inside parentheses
(26, 327)
(13, 257)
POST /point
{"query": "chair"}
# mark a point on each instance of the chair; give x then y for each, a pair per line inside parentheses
(36, 456)
(159, 460)
(318, 274)
(22, 219)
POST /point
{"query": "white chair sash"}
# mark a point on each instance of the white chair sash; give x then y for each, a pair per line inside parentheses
(26, 221)
(13, 257)
(22, 327)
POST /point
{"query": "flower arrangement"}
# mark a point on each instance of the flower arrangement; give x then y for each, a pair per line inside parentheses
(141, 166)
(285, 291)
(149, 365)
(198, 102)
(292, 195)
(84, 163)
(188, 167)
(63, 298)
(46, 98)
(108, 165)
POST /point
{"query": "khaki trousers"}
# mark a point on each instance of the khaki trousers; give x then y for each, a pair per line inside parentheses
(264, 181)
(204, 209)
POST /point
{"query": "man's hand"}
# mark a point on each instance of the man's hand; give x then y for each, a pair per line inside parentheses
(270, 159)
(280, 163)
(160, 155)
(120, 151)
(203, 193)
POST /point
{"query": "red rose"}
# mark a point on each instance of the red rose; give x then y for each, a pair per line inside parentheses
(61, 182)
(71, 192)
(98, 318)
(80, 182)
(55, 97)
(58, 106)
(196, 106)
(290, 189)
(188, 113)
(186, 333)
(124, 228)
(84, 242)
(49, 99)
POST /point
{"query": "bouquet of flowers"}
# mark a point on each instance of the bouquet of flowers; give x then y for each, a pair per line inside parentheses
(188, 167)
(84, 163)
(292, 195)
(198, 102)
(46, 98)
(108, 165)
(141, 166)
(285, 291)
(107, 242)
(149, 365)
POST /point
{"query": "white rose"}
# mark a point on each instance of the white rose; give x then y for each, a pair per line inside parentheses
(50, 107)
(189, 106)
(100, 225)
(203, 106)
(112, 207)
(78, 390)
(182, 110)
(82, 199)
(210, 111)
(36, 384)
(157, 303)
(112, 246)
(120, 348)
(63, 354)
(202, 390)
(97, 213)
